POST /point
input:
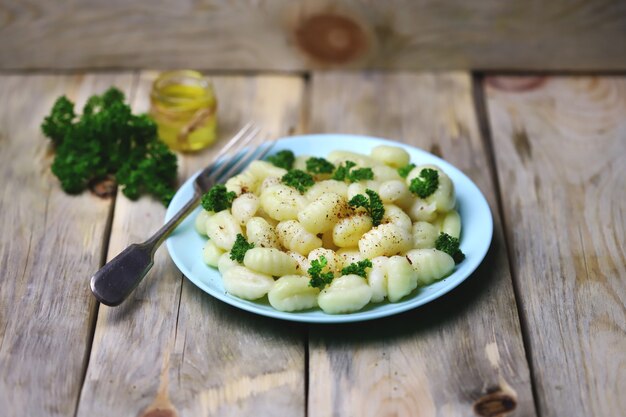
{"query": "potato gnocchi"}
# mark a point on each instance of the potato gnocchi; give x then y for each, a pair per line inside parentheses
(289, 229)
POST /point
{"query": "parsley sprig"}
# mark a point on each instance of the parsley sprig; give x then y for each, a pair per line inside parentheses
(241, 246)
(450, 245)
(426, 183)
(405, 170)
(346, 172)
(298, 179)
(357, 268)
(218, 198)
(283, 159)
(319, 166)
(319, 279)
(373, 205)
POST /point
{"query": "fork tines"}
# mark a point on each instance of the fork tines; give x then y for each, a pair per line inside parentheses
(246, 146)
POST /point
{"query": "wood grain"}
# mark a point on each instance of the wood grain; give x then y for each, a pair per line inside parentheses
(284, 35)
(560, 147)
(460, 355)
(51, 244)
(173, 349)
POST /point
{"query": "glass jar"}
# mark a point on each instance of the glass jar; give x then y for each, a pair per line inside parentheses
(183, 105)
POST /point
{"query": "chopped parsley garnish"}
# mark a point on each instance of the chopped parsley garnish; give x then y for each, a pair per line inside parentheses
(218, 198)
(298, 179)
(319, 279)
(450, 245)
(373, 205)
(357, 268)
(283, 159)
(240, 248)
(426, 183)
(405, 170)
(361, 174)
(319, 166)
(342, 171)
(345, 172)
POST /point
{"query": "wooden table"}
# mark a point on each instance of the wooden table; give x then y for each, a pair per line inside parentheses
(538, 330)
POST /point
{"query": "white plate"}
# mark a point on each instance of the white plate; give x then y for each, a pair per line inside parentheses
(185, 244)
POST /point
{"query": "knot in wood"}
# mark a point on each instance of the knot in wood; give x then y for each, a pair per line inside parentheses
(495, 404)
(516, 84)
(158, 412)
(331, 39)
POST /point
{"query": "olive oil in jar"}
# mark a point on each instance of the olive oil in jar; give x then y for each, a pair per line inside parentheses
(183, 105)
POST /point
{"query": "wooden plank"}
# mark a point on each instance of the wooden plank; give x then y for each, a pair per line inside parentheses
(560, 147)
(171, 346)
(51, 243)
(284, 35)
(462, 354)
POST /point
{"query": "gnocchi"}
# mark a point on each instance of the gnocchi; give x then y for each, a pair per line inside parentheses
(292, 293)
(290, 232)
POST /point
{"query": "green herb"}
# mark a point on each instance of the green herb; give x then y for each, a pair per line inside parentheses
(218, 198)
(109, 141)
(319, 279)
(405, 170)
(426, 183)
(298, 179)
(373, 205)
(450, 245)
(357, 268)
(319, 166)
(361, 174)
(283, 159)
(240, 247)
(60, 122)
(345, 172)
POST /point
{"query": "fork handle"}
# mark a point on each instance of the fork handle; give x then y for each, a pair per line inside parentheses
(121, 275)
(160, 235)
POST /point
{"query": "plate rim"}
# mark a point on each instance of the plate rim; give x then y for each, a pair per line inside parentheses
(389, 308)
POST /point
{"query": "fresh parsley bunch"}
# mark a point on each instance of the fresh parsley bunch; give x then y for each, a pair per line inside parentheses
(109, 141)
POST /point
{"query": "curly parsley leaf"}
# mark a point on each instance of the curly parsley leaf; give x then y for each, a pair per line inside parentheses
(218, 198)
(60, 122)
(346, 172)
(360, 174)
(240, 247)
(373, 205)
(405, 170)
(283, 159)
(319, 166)
(426, 183)
(298, 179)
(319, 279)
(342, 171)
(450, 245)
(357, 268)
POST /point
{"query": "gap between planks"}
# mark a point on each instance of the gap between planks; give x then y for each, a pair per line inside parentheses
(344, 356)
(247, 97)
(482, 118)
(103, 257)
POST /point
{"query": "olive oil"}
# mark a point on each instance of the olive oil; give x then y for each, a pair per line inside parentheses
(183, 105)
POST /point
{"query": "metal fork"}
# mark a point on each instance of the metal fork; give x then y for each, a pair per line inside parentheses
(121, 275)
